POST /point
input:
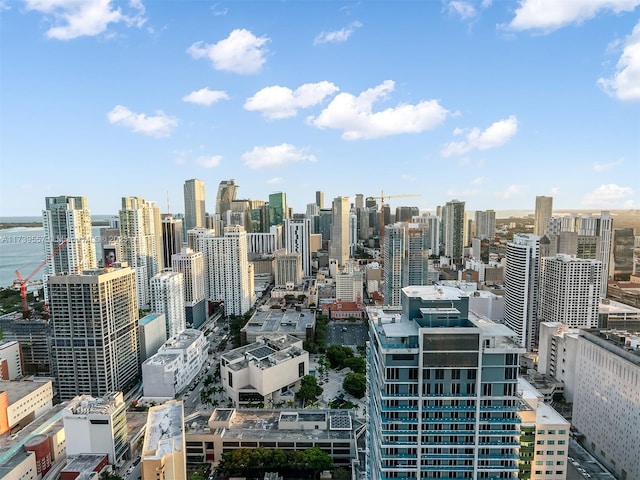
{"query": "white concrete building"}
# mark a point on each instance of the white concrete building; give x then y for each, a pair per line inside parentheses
(544, 437)
(97, 425)
(521, 288)
(297, 240)
(178, 361)
(164, 449)
(21, 402)
(152, 332)
(287, 268)
(265, 242)
(191, 264)
(558, 353)
(261, 372)
(569, 291)
(167, 296)
(606, 403)
(349, 286)
(10, 360)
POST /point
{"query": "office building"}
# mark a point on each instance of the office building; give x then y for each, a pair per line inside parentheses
(23, 401)
(167, 296)
(278, 210)
(353, 233)
(521, 287)
(557, 354)
(607, 399)
(350, 286)
(543, 212)
(94, 338)
(265, 242)
(178, 361)
(141, 240)
(442, 390)
(623, 247)
(164, 448)
(33, 336)
(67, 219)
(195, 211)
(544, 437)
(454, 230)
(320, 199)
(297, 240)
(485, 224)
(266, 372)
(406, 258)
(569, 291)
(97, 425)
(191, 264)
(10, 360)
(287, 269)
(227, 193)
(227, 270)
(171, 238)
(339, 242)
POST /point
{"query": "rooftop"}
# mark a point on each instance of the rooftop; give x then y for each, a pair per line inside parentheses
(433, 292)
(87, 405)
(620, 342)
(17, 390)
(278, 321)
(165, 430)
(85, 461)
(162, 359)
(182, 340)
(149, 318)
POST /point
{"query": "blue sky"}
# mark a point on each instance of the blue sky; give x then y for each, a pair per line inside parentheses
(488, 102)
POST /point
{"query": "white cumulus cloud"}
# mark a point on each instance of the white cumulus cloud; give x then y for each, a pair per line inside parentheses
(209, 161)
(464, 10)
(624, 84)
(510, 192)
(158, 125)
(278, 102)
(355, 116)
(549, 15)
(206, 97)
(477, 181)
(496, 135)
(408, 178)
(337, 36)
(603, 167)
(608, 195)
(79, 18)
(274, 181)
(241, 52)
(276, 156)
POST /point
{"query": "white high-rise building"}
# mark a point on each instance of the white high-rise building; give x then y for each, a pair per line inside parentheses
(167, 296)
(227, 268)
(68, 219)
(544, 210)
(569, 291)
(349, 286)
(486, 224)
(297, 240)
(353, 233)
(94, 339)
(195, 211)
(521, 287)
(191, 264)
(141, 240)
(339, 243)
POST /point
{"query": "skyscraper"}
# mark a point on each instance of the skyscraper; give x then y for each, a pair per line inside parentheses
(278, 210)
(569, 291)
(441, 396)
(453, 227)
(227, 192)
(297, 240)
(486, 224)
(339, 243)
(194, 205)
(94, 339)
(68, 219)
(544, 210)
(171, 238)
(521, 287)
(191, 264)
(227, 267)
(141, 241)
(406, 258)
(167, 296)
(320, 199)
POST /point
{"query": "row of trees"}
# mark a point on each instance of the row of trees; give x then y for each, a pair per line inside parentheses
(319, 342)
(253, 461)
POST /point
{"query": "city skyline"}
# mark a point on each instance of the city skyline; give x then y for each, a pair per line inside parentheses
(519, 101)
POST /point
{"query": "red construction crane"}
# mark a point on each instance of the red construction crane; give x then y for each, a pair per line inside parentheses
(21, 283)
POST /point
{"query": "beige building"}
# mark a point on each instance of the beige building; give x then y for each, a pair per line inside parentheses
(10, 360)
(266, 372)
(287, 268)
(22, 402)
(164, 450)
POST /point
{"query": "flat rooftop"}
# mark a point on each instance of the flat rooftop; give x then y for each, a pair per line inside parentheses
(264, 347)
(165, 428)
(433, 292)
(17, 390)
(616, 341)
(182, 340)
(85, 461)
(611, 307)
(86, 404)
(149, 318)
(162, 359)
(278, 321)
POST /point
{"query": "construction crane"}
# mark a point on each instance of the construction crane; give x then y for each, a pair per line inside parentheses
(21, 283)
(382, 197)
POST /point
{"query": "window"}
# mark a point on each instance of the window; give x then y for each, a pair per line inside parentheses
(230, 380)
(562, 432)
(540, 432)
(551, 432)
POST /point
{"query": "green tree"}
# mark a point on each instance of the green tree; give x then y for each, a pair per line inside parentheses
(309, 389)
(355, 384)
(316, 459)
(356, 364)
(110, 476)
(338, 355)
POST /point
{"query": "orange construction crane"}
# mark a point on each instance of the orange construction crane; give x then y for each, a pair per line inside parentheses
(21, 283)
(382, 198)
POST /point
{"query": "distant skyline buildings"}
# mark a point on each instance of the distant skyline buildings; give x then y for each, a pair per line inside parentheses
(195, 211)
(543, 211)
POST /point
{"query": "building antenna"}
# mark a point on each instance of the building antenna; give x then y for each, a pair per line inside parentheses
(168, 209)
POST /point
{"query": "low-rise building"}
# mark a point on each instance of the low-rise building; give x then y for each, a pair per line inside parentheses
(300, 324)
(84, 466)
(97, 426)
(334, 431)
(22, 402)
(178, 361)
(544, 437)
(344, 310)
(10, 360)
(164, 449)
(263, 372)
(557, 354)
(618, 316)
